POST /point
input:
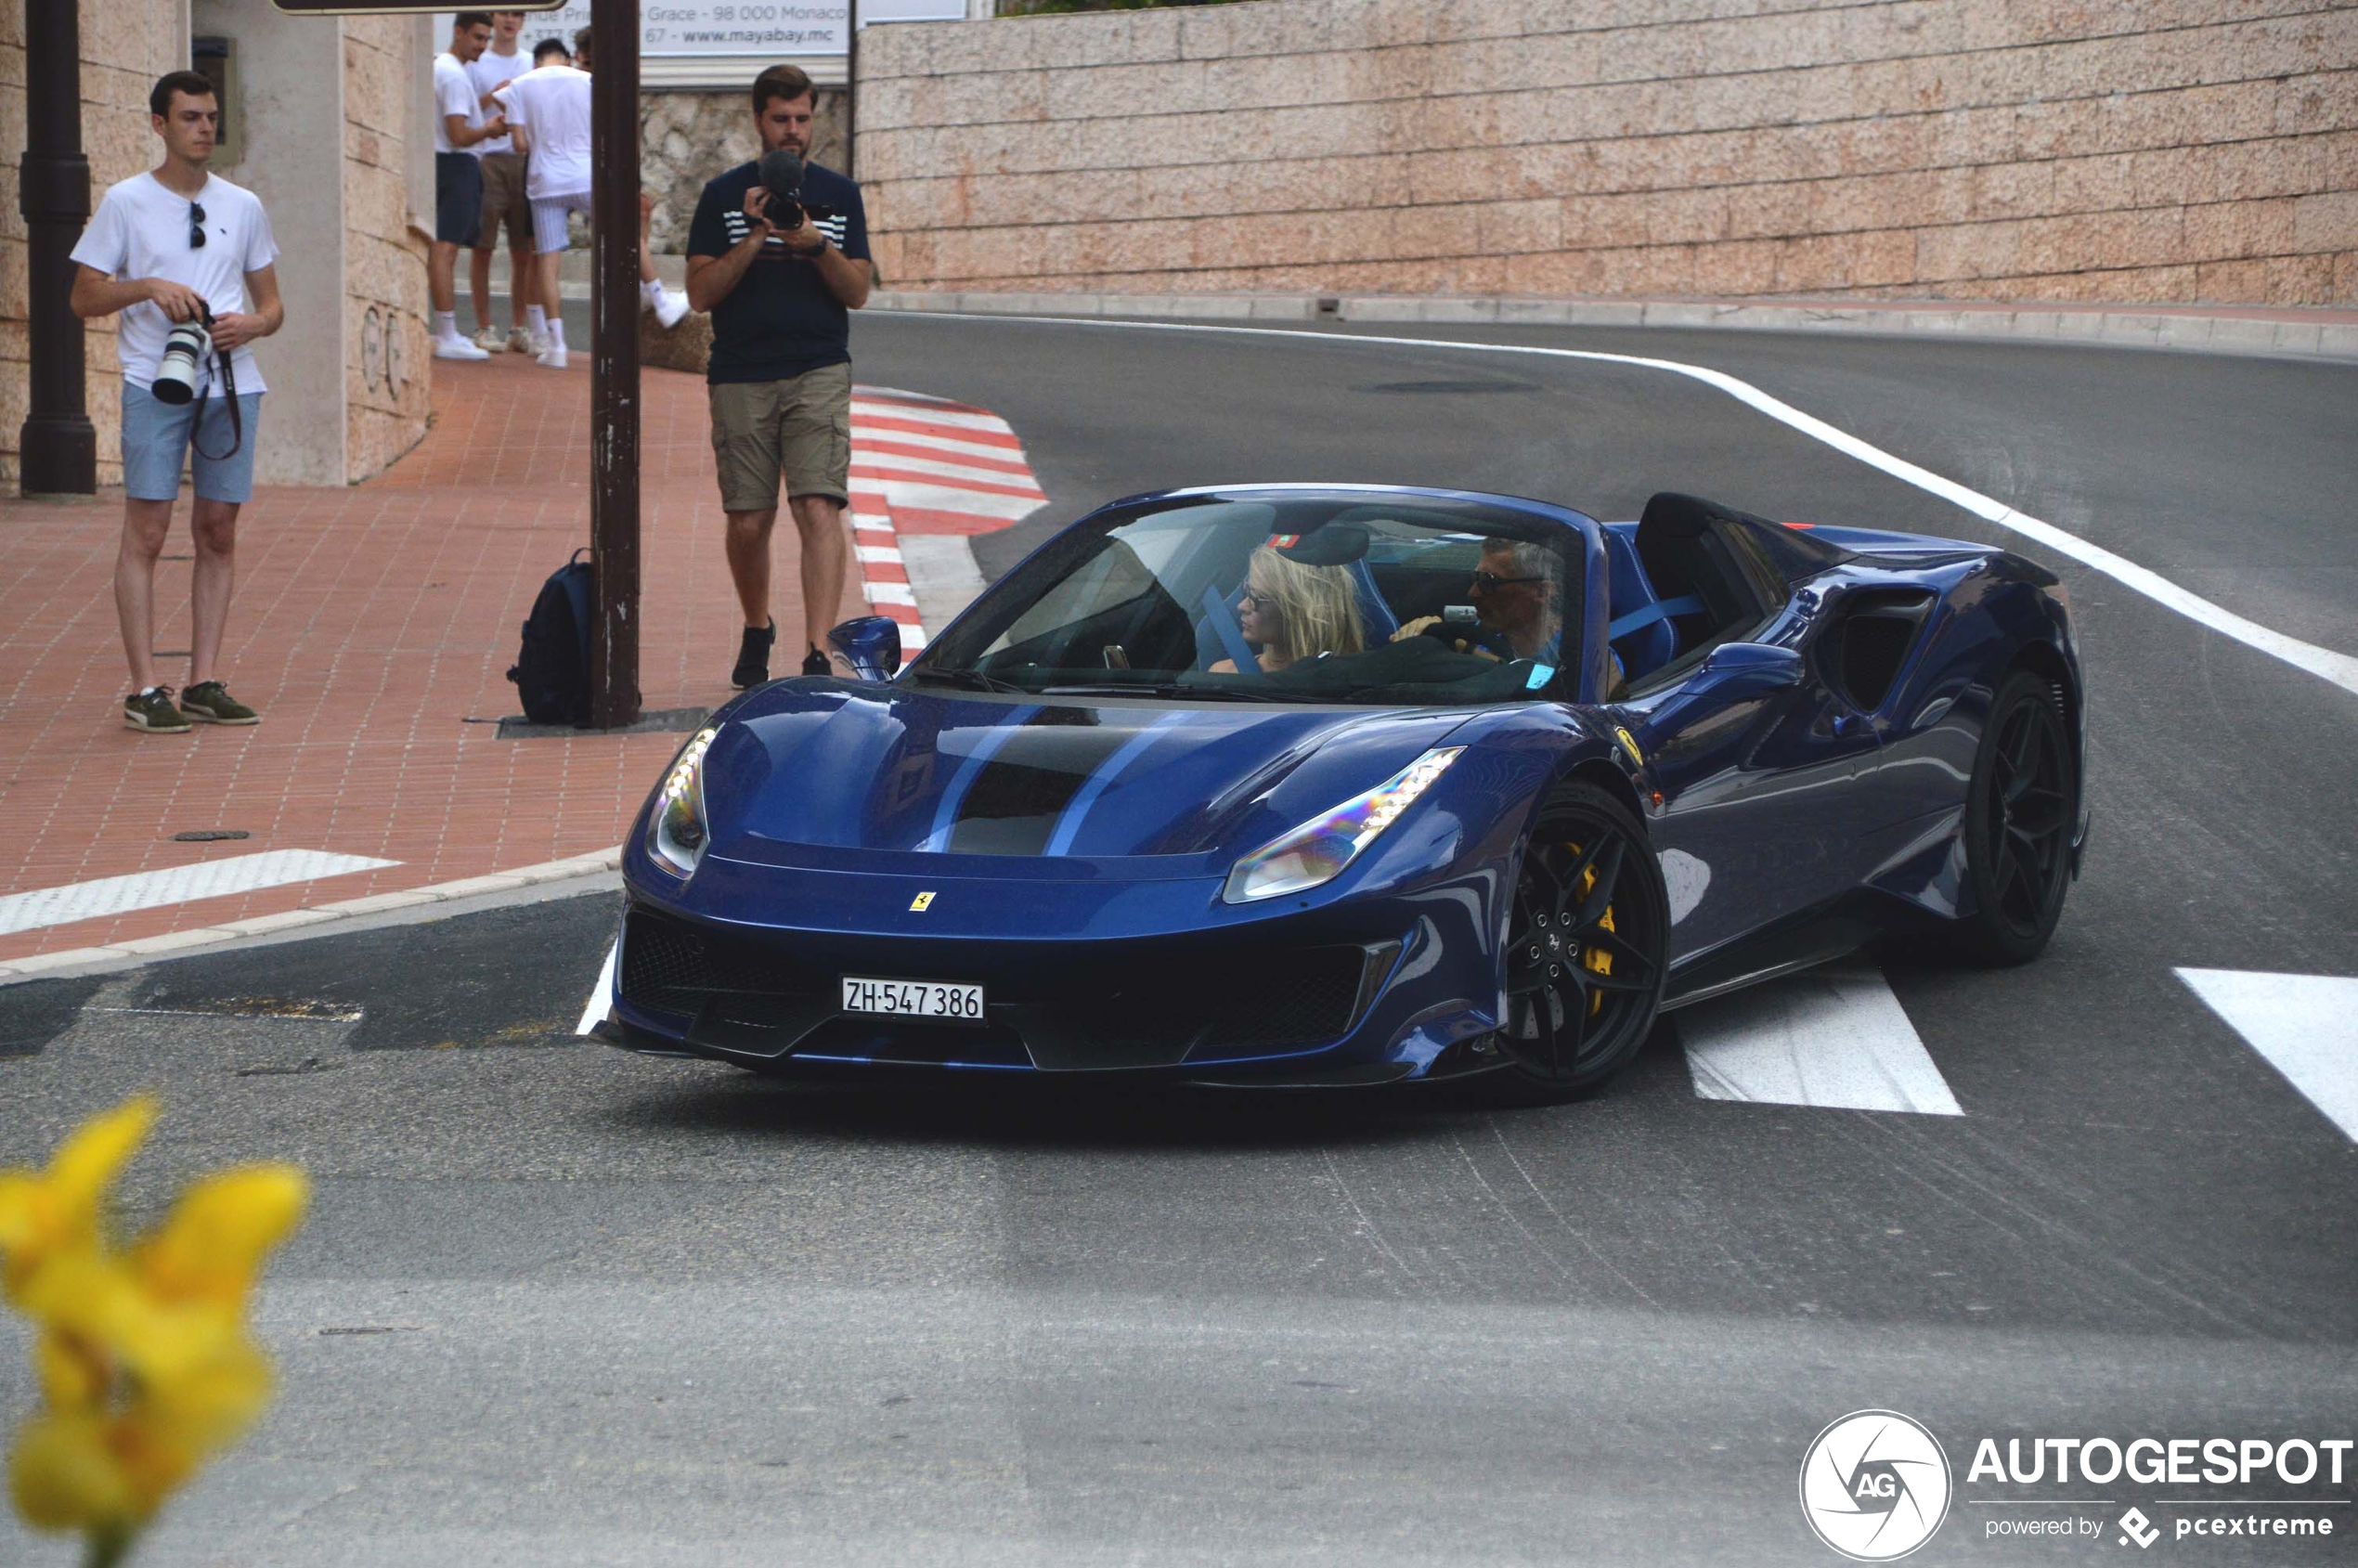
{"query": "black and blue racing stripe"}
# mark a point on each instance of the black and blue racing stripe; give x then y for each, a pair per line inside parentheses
(1026, 789)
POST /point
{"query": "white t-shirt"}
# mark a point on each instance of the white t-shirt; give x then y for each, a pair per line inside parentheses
(141, 230)
(551, 107)
(488, 73)
(454, 93)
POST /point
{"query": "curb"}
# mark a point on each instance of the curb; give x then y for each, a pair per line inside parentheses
(175, 943)
(2187, 330)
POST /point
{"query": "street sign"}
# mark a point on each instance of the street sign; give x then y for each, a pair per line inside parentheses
(393, 7)
(689, 29)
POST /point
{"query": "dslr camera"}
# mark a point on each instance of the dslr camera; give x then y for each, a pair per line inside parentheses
(781, 176)
(185, 351)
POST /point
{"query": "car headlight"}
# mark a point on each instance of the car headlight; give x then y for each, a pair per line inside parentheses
(676, 829)
(1316, 851)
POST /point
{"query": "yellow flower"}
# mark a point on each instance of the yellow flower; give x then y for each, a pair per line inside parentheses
(145, 1367)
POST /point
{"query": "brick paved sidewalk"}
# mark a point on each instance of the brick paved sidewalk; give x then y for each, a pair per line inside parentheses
(370, 625)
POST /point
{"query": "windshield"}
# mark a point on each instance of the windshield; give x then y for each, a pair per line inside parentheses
(1298, 597)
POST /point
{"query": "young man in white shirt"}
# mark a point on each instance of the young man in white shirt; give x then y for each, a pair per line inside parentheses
(174, 245)
(550, 107)
(459, 128)
(504, 202)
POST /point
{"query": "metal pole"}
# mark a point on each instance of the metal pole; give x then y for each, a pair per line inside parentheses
(851, 95)
(58, 450)
(614, 363)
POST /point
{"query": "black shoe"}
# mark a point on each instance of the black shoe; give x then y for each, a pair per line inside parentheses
(815, 663)
(753, 656)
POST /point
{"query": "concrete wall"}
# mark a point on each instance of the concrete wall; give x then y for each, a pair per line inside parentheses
(2135, 150)
(125, 45)
(387, 355)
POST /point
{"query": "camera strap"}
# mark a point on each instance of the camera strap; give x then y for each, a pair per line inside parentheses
(221, 362)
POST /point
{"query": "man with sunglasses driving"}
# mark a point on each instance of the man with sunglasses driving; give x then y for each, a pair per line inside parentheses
(178, 244)
(1516, 594)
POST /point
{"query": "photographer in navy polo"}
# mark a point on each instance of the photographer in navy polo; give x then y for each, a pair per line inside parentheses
(781, 270)
(187, 257)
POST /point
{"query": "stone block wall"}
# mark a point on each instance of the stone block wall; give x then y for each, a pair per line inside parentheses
(386, 354)
(2146, 150)
(125, 45)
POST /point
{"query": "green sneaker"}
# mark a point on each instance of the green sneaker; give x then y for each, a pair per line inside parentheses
(208, 702)
(151, 710)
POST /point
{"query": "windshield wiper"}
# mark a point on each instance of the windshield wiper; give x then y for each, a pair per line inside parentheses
(974, 679)
(1166, 689)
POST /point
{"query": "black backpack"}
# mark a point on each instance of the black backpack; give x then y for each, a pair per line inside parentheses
(551, 672)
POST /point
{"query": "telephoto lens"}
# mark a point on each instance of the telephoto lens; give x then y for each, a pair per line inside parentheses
(183, 356)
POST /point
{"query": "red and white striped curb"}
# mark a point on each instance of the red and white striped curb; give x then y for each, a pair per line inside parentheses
(928, 465)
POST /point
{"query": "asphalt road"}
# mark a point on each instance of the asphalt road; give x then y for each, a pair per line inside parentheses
(560, 1304)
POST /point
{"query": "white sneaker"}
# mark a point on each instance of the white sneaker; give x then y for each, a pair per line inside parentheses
(456, 348)
(488, 340)
(553, 356)
(541, 342)
(671, 307)
(520, 342)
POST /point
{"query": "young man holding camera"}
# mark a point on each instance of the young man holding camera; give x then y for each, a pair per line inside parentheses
(175, 250)
(780, 271)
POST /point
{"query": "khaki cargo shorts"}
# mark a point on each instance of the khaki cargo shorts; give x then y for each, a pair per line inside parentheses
(503, 204)
(798, 429)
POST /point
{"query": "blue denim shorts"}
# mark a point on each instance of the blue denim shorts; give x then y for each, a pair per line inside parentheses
(156, 445)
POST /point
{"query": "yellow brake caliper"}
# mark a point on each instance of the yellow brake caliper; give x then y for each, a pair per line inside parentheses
(1596, 960)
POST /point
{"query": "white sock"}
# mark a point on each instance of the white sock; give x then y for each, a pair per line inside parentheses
(537, 318)
(446, 324)
(557, 332)
(651, 290)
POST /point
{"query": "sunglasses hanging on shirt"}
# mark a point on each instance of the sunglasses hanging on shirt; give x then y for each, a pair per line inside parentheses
(196, 225)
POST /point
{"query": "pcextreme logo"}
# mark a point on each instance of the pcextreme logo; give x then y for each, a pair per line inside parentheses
(1874, 1485)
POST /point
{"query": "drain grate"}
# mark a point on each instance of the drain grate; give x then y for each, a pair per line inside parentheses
(671, 720)
(210, 834)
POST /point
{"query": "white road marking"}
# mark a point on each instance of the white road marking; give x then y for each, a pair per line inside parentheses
(879, 554)
(951, 497)
(888, 593)
(601, 995)
(867, 438)
(945, 418)
(897, 465)
(1833, 1037)
(180, 884)
(2305, 1025)
(2327, 664)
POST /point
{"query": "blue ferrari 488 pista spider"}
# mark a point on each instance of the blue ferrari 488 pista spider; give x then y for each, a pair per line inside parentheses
(1328, 784)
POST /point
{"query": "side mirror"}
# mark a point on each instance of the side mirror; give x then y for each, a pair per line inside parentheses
(1742, 668)
(867, 648)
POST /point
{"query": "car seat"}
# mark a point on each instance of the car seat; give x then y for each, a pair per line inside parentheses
(1643, 634)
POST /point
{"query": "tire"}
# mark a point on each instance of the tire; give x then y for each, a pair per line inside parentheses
(1588, 950)
(2020, 810)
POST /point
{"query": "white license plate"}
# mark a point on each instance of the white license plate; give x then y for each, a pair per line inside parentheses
(912, 999)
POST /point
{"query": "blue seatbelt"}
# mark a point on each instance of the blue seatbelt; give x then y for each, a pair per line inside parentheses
(1660, 610)
(1227, 633)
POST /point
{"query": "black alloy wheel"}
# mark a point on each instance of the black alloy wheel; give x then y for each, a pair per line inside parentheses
(1588, 949)
(2020, 812)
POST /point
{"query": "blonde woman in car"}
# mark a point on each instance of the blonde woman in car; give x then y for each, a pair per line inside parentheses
(1291, 612)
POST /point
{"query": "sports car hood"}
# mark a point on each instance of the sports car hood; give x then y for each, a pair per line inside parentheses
(814, 773)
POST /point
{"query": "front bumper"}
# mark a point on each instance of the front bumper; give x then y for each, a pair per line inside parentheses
(1344, 996)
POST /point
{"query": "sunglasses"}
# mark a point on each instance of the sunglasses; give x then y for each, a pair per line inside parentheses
(1252, 600)
(1487, 580)
(196, 226)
